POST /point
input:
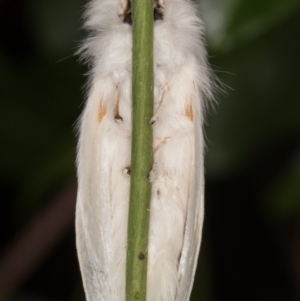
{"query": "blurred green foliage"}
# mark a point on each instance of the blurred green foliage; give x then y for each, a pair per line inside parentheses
(254, 49)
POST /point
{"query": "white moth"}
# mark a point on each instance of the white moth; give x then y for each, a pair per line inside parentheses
(181, 84)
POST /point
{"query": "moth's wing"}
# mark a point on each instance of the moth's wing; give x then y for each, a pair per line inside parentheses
(101, 219)
(93, 224)
(195, 213)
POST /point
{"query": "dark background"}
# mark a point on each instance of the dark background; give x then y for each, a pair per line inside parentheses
(251, 245)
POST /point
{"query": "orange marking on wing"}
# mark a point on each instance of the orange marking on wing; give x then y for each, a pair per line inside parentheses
(189, 112)
(102, 112)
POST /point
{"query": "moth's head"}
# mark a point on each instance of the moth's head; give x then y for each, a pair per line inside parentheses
(126, 13)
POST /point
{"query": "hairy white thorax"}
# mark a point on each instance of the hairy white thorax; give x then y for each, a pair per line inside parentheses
(181, 85)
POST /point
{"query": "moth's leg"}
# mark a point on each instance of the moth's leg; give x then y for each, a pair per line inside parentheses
(161, 142)
(117, 116)
(158, 12)
(164, 89)
(160, 3)
(124, 7)
(125, 14)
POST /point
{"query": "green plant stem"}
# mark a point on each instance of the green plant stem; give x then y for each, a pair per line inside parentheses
(142, 150)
